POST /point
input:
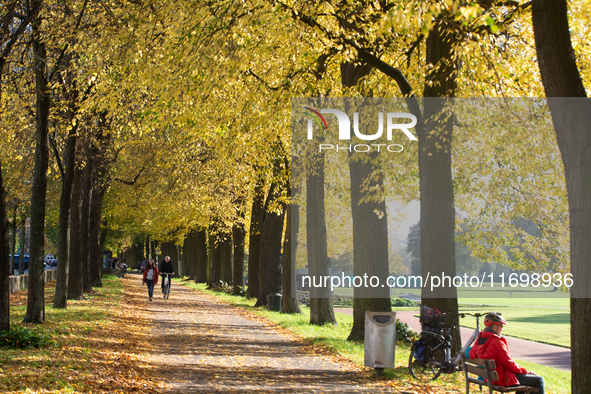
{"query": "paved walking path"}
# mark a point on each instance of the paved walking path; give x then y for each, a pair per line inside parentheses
(206, 346)
(539, 353)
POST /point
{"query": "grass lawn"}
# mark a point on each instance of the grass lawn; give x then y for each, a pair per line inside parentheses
(334, 338)
(546, 325)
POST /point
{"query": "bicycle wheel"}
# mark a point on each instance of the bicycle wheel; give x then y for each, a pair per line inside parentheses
(428, 369)
(167, 291)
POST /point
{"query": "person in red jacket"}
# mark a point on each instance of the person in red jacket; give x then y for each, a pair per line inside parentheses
(150, 277)
(491, 345)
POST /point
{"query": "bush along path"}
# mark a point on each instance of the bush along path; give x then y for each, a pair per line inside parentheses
(204, 345)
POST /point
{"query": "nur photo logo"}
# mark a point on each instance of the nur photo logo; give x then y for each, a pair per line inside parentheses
(393, 125)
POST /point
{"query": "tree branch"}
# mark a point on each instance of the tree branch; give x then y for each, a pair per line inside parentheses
(130, 183)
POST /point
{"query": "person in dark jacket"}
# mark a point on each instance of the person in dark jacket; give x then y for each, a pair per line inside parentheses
(490, 344)
(166, 266)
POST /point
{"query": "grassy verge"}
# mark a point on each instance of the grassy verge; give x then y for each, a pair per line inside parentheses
(88, 355)
(334, 339)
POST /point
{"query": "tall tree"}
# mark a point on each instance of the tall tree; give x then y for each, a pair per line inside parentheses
(254, 245)
(75, 266)
(36, 301)
(9, 36)
(288, 264)
(271, 221)
(61, 288)
(226, 257)
(321, 308)
(201, 249)
(571, 118)
(238, 235)
(438, 216)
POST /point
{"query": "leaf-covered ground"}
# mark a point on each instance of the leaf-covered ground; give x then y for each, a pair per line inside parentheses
(99, 341)
(207, 346)
(116, 341)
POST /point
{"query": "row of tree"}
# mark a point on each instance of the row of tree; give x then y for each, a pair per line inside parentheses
(165, 118)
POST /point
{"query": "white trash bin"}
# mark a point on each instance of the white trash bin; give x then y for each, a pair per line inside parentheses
(380, 340)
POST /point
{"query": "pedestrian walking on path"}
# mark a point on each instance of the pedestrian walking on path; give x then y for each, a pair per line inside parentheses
(150, 277)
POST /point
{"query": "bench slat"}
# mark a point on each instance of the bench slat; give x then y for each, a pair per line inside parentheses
(486, 369)
(482, 372)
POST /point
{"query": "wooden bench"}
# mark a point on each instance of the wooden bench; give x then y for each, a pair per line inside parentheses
(487, 369)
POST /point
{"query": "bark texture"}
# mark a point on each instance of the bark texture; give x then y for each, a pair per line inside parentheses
(4, 263)
(572, 119)
(435, 170)
(201, 246)
(270, 260)
(290, 243)
(238, 235)
(321, 308)
(36, 300)
(61, 285)
(254, 246)
(75, 266)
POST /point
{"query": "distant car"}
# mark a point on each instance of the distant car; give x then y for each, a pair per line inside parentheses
(48, 259)
(53, 262)
(17, 258)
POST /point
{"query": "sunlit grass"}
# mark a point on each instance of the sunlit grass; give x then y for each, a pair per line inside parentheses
(69, 364)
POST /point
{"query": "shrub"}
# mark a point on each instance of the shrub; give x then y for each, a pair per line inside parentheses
(403, 302)
(404, 333)
(239, 291)
(24, 338)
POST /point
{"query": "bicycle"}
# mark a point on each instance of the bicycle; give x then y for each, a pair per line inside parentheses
(166, 278)
(430, 356)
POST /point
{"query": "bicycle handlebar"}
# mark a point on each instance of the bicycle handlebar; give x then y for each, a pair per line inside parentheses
(464, 314)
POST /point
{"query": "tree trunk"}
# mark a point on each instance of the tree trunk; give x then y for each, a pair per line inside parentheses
(226, 258)
(75, 276)
(571, 118)
(238, 235)
(148, 248)
(13, 242)
(179, 256)
(321, 309)
(95, 251)
(435, 171)
(370, 231)
(189, 254)
(270, 260)
(290, 243)
(370, 244)
(85, 223)
(61, 284)
(4, 263)
(36, 300)
(22, 238)
(254, 246)
(6, 266)
(202, 256)
(216, 261)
